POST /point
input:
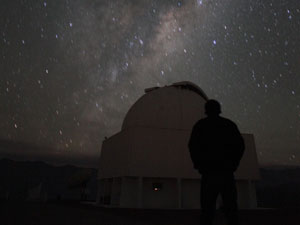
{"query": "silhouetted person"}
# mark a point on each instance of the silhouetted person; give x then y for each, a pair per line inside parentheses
(216, 147)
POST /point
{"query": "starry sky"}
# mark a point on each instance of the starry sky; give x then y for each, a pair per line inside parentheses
(71, 69)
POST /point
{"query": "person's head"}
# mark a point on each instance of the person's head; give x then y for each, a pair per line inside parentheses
(212, 108)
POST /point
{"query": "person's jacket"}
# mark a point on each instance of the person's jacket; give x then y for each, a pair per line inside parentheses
(216, 145)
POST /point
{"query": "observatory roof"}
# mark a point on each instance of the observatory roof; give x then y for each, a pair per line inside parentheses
(177, 106)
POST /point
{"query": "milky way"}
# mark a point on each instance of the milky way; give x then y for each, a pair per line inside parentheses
(70, 70)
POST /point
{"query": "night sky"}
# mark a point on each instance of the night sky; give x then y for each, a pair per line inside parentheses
(71, 69)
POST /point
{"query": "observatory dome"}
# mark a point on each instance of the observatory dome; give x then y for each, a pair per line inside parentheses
(148, 165)
(177, 106)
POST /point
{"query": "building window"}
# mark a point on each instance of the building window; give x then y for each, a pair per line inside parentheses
(156, 186)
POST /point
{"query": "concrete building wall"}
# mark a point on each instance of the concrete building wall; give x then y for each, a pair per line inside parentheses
(116, 189)
(160, 153)
(190, 193)
(134, 161)
(248, 168)
(130, 192)
(114, 155)
(104, 191)
(246, 194)
(149, 152)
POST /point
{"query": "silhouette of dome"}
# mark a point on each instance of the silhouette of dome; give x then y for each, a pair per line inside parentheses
(177, 106)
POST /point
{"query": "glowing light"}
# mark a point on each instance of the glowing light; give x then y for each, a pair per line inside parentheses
(200, 2)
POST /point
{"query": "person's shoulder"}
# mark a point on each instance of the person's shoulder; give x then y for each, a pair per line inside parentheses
(201, 122)
(228, 121)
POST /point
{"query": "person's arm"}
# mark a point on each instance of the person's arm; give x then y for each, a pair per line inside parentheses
(194, 147)
(239, 146)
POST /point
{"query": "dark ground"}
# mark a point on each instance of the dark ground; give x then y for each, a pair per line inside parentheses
(26, 213)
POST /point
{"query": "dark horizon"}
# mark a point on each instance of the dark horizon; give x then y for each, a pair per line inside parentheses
(76, 160)
(21, 151)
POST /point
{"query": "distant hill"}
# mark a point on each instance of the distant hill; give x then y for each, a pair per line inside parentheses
(18, 177)
(20, 151)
